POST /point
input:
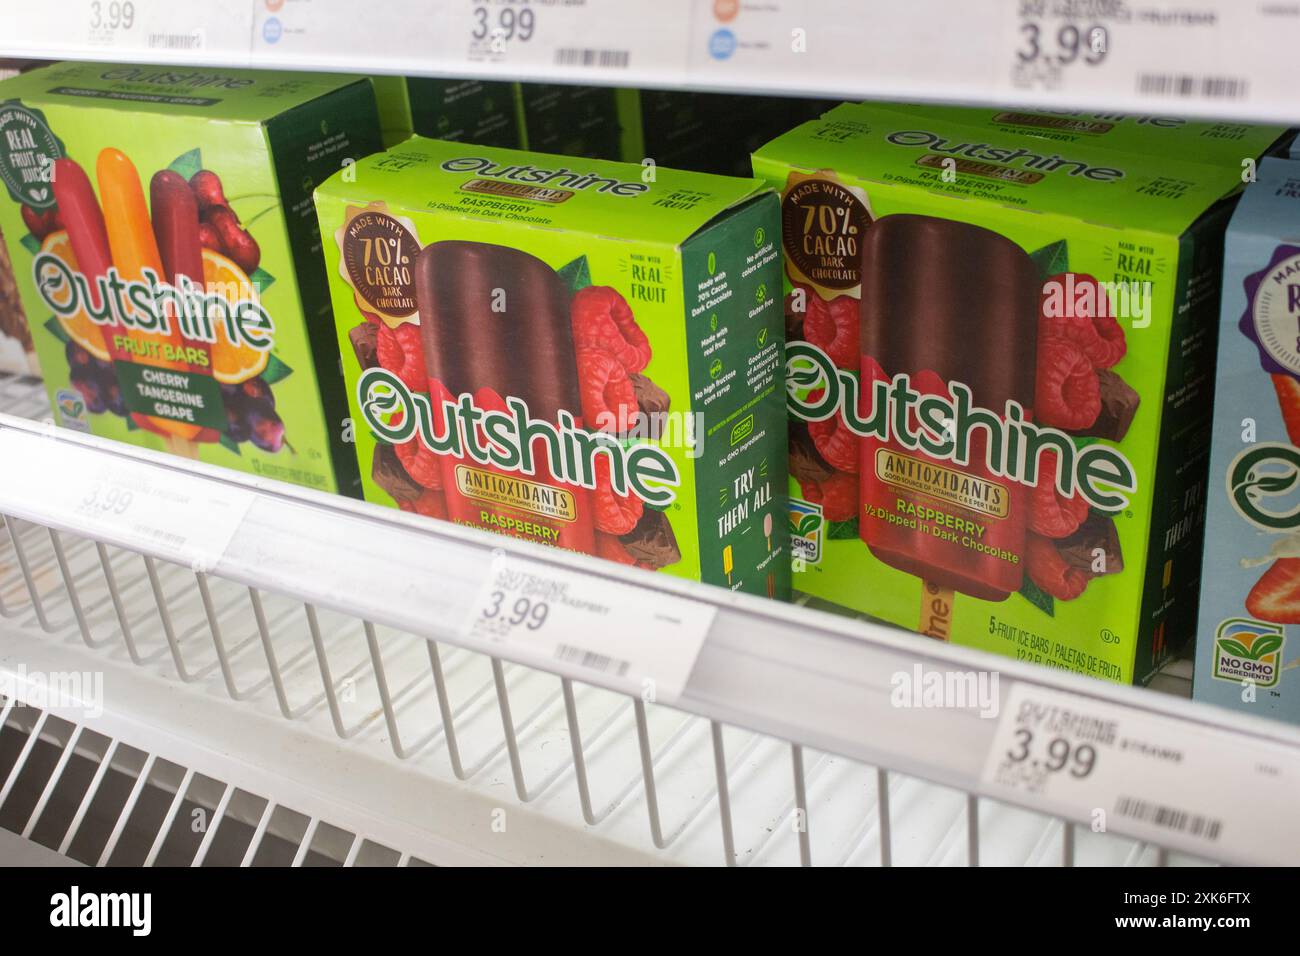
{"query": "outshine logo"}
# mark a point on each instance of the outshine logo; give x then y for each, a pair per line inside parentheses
(1262, 486)
(1248, 650)
(75, 908)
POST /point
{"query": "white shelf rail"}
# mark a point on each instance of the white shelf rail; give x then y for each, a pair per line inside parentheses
(1218, 58)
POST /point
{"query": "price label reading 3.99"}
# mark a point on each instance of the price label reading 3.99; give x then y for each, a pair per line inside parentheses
(1046, 50)
(107, 16)
(495, 26)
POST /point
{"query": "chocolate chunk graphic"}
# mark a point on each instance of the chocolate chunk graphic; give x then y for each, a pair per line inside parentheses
(1119, 403)
(1080, 550)
(365, 342)
(806, 462)
(389, 474)
(793, 319)
(652, 541)
(650, 398)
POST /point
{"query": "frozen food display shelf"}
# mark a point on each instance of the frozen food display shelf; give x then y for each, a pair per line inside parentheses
(1221, 58)
(314, 687)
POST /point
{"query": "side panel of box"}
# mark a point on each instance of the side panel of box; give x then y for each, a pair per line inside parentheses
(309, 144)
(734, 333)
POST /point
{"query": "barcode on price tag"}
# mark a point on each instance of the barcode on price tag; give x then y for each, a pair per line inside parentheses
(1172, 782)
(640, 639)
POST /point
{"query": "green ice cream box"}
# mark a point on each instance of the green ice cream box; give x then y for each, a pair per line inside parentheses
(468, 111)
(561, 351)
(161, 230)
(1000, 360)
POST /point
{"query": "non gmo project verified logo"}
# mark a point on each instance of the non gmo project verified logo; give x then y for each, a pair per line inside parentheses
(1248, 650)
(805, 531)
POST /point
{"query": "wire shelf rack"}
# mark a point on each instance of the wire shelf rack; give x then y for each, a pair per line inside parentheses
(305, 733)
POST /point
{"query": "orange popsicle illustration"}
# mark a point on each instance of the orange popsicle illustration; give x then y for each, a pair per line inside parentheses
(134, 248)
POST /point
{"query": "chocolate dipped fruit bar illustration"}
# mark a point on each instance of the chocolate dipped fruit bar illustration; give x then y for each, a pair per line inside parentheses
(980, 331)
(997, 367)
(167, 260)
(465, 351)
(557, 351)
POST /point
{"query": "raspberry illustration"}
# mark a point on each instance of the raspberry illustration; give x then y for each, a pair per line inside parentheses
(611, 549)
(608, 397)
(833, 440)
(838, 496)
(420, 463)
(1087, 318)
(431, 504)
(1050, 571)
(1050, 513)
(603, 320)
(1068, 393)
(401, 352)
(833, 327)
(615, 514)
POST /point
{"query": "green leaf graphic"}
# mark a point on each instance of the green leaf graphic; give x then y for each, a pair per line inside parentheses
(1265, 645)
(30, 243)
(576, 274)
(187, 164)
(228, 443)
(808, 524)
(1235, 648)
(792, 527)
(261, 280)
(841, 530)
(276, 371)
(55, 329)
(1051, 259)
(1274, 484)
(1036, 596)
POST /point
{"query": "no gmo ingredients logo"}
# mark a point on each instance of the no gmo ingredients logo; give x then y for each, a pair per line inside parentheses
(806, 531)
(1248, 650)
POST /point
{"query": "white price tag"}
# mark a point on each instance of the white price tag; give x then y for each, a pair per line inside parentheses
(1175, 784)
(577, 37)
(181, 517)
(1158, 56)
(188, 521)
(623, 632)
(145, 31)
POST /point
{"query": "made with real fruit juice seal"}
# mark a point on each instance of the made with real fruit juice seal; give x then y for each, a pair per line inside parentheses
(166, 256)
(998, 356)
(569, 352)
(1246, 657)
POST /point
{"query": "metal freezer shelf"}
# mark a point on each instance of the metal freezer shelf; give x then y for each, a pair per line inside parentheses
(320, 662)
